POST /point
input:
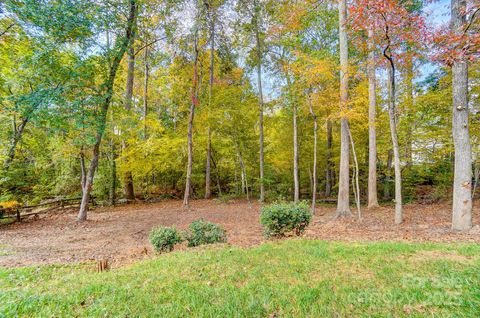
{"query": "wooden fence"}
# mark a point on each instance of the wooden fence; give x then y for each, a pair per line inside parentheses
(19, 212)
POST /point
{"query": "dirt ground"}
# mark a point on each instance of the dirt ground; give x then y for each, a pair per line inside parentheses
(121, 233)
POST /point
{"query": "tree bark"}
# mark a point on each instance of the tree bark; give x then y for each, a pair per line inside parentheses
(314, 172)
(113, 182)
(125, 41)
(386, 187)
(244, 173)
(372, 136)
(260, 102)
(329, 177)
(217, 176)
(396, 152)
(355, 182)
(83, 178)
(296, 183)
(208, 191)
(128, 188)
(343, 202)
(408, 110)
(145, 93)
(462, 184)
(186, 197)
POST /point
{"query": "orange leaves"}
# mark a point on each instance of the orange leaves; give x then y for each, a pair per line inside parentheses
(394, 26)
(458, 43)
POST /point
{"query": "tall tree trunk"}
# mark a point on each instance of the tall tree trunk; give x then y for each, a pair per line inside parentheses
(145, 92)
(343, 202)
(329, 178)
(128, 188)
(244, 173)
(260, 102)
(408, 110)
(208, 191)
(186, 197)
(113, 174)
(396, 151)
(122, 47)
(372, 136)
(386, 187)
(83, 178)
(355, 182)
(462, 184)
(314, 172)
(296, 183)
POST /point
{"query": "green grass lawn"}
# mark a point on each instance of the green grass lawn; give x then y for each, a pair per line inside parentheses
(292, 278)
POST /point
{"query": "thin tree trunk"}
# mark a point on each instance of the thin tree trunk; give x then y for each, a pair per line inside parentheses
(244, 174)
(260, 103)
(386, 188)
(217, 176)
(83, 171)
(372, 136)
(396, 152)
(462, 184)
(128, 187)
(125, 42)
(314, 172)
(296, 183)
(113, 176)
(145, 92)
(329, 177)
(408, 110)
(186, 198)
(208, 191)
(343, 202)
(355, 185)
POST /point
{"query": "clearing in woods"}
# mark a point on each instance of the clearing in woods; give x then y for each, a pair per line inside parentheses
(121, 233)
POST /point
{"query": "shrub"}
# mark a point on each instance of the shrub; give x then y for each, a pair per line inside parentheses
(164, 238)
(204, 232)
(280, 219)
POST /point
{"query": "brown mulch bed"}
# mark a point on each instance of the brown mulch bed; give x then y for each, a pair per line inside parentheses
(121, 233)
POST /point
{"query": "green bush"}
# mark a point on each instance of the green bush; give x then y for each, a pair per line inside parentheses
(280, 219)
(164, 238)
(203, 232)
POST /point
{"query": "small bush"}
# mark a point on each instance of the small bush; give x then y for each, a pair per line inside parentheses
(280, 219)
(204, 232)
(164, 238)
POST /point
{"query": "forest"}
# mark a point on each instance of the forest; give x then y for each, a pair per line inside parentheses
(265, 99)
(331, 120)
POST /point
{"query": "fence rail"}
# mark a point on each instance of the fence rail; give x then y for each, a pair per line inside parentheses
(19, 212)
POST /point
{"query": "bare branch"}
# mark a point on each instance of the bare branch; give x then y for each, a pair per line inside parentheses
(6, 30)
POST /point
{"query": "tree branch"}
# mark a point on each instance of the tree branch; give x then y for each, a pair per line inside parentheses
(148, 44)
(6, 30)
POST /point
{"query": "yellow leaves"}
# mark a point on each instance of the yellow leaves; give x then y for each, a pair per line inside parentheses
(8, 204)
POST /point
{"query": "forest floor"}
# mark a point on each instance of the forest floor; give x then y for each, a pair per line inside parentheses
(121, 233)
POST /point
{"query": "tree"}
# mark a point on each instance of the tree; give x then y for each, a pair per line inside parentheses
(343, 201)
(462, 184)
(120, 47)
(396, 25)
(193, 104)
(372, 135)
(128, 188)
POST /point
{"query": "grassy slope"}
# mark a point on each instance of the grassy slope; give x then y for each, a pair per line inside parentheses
(294, 278)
